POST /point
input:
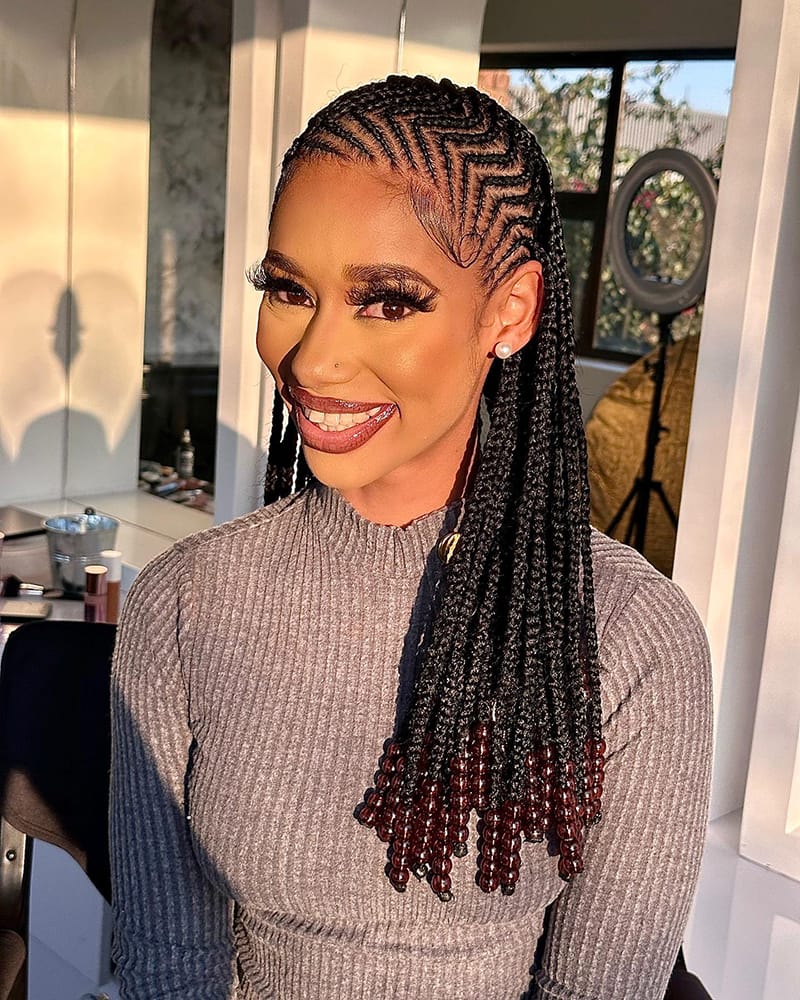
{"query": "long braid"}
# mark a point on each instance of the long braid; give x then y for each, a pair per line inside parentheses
(505, 711)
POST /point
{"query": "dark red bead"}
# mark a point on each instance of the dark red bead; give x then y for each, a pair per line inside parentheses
(398, 876)
(441, 883)
(375, 799)
(492, 818)
(489, 851)
(459, 818)
(512, 826)
(568, 831)
(479, 767)
(367, 815)
(510, 841)
(511, 809)
(488, 883)
(460, 835)
(570, 849)
(442, 848)
(480, 800)
(510, 876)
(489, 866)
(567, 867)
(442, 865)
(460, 803)
(535, 834)
(512, 860)
(459, 784)
(490, 834)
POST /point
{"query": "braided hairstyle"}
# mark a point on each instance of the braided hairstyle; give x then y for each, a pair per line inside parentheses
(505, 711)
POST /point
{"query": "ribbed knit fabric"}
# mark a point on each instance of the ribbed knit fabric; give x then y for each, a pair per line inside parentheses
(257, 674)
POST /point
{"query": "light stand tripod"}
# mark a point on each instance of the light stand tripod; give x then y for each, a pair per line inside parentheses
(645, 485)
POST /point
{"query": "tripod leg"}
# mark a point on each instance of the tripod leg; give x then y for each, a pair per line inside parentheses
(658, 489)
(629, 499)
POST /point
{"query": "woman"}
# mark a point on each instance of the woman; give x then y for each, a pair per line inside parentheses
(436, 584)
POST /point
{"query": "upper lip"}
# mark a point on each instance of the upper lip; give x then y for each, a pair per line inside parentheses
(327, 404)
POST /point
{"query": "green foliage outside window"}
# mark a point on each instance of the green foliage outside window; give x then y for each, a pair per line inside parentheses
(567, 111)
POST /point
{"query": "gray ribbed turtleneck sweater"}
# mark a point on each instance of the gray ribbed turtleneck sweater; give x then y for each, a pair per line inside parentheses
(255, 680)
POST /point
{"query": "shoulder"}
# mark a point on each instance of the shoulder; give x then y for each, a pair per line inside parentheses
(646, 626)
(233, 549)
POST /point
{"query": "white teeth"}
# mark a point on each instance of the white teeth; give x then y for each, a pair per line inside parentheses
(338, 421)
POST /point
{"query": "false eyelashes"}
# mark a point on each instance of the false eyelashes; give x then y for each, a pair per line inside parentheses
(396, 291)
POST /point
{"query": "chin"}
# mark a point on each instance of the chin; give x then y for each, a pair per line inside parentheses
(341, 472)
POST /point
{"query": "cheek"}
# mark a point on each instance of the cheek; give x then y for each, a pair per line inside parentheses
(442, 369)
(274, 339)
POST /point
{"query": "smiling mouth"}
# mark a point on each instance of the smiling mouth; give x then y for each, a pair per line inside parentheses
(336, 426)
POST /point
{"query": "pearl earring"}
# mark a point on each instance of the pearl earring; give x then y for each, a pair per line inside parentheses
(503, 350)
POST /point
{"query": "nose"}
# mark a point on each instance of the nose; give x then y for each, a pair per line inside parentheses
(321, 357)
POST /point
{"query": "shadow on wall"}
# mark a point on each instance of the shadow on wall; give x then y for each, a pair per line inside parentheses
(61, 386)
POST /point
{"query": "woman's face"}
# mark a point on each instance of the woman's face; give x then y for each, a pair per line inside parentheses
(374, 338)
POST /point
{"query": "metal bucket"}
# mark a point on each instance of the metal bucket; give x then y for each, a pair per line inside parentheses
(75, 542)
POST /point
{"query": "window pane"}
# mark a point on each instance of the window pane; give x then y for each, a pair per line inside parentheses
(664, 105)
(578, 244)
(566, 110)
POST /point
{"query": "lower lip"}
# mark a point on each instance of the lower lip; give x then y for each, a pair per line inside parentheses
(339, 442)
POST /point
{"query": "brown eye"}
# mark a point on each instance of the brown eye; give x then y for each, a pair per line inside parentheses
(394, 310)
(387, 310)
(293, 297)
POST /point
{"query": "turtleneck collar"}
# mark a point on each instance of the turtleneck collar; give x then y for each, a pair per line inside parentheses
(356, 543)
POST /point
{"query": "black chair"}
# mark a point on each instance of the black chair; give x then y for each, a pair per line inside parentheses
(684, 985)
(55, 746)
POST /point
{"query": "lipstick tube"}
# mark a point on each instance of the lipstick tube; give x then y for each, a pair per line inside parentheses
(94, 597)
(112, 560)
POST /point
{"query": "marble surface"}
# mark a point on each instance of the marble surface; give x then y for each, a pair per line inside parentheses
(188, 158)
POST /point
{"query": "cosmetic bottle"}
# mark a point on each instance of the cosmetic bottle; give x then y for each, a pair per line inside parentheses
(185, 463)
(94, 597)
(112, 560)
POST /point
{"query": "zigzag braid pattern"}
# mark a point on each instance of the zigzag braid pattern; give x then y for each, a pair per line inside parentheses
(505, 713)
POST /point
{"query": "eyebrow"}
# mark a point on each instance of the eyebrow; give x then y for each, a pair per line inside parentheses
(361, 274)
(278, 259)
(372, 274)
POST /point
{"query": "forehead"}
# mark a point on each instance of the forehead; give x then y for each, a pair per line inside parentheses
(336, 213)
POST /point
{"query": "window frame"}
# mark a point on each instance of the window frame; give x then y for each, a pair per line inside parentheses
(592, 206)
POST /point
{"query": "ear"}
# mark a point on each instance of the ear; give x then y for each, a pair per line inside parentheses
(514, 308)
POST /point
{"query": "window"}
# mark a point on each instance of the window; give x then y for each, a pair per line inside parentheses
(594, 117)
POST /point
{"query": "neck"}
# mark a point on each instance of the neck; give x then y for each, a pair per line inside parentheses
(402, 499)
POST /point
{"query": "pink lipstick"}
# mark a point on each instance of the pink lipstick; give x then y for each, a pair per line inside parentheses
(336, 426)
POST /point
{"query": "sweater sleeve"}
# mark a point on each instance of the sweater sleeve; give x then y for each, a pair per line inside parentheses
(615, 930)
(172, 927)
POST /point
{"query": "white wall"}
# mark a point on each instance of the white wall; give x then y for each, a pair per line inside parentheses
(747, 383)
(73, 199)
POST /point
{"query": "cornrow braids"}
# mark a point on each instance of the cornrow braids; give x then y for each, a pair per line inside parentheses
(505, 716)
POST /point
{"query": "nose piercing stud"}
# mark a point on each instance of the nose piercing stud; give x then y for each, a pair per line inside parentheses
(503, 350)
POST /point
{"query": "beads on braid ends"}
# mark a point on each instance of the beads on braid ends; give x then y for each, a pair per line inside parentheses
(424, 836)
